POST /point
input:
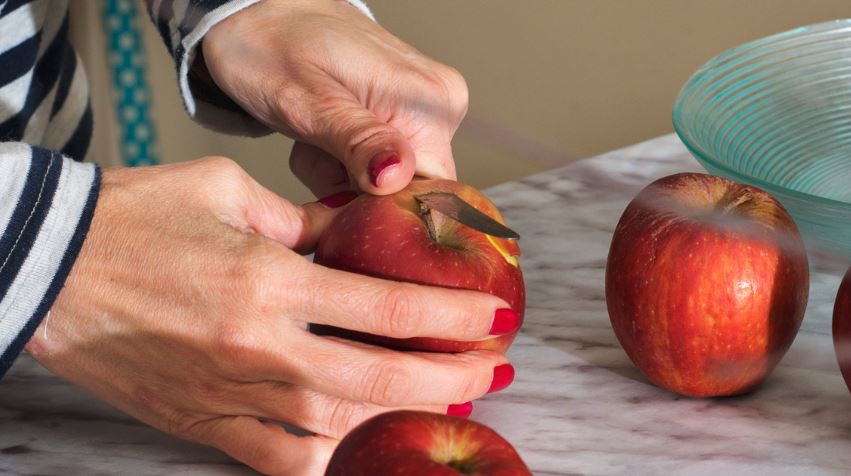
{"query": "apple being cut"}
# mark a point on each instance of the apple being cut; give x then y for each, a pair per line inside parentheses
(414, 443)
(706, 284)
(842, 328)
(391, 237)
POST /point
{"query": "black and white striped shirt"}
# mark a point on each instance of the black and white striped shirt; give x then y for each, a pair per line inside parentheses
(48, 197)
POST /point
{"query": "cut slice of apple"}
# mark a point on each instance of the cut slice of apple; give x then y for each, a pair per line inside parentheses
(511, 259)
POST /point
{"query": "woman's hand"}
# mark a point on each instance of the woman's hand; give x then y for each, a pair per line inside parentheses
(188, 309)
(323, 73)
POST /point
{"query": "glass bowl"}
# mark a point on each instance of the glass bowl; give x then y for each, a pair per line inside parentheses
(776, 113)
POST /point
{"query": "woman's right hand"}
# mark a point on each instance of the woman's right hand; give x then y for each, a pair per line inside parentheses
(188, 309)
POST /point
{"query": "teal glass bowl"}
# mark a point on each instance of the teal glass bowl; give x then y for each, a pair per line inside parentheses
(776, 113)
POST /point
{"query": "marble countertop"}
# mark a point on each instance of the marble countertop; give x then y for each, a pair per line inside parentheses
(578, 405)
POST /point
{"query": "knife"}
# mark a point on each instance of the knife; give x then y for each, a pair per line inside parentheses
(457, 209)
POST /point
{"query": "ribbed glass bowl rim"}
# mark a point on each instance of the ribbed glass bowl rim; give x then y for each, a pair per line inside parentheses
(708, 69)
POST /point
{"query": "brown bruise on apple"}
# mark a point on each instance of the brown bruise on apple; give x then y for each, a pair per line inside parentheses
(706, 284)
(842, 328)
(392, 241)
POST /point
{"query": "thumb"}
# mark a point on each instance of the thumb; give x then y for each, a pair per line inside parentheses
(377, 156)
(296, 227)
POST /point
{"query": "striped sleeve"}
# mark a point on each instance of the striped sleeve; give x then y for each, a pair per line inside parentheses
(46, 205)
(182, 25)
(43, 88)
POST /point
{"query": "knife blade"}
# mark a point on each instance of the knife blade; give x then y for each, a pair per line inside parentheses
(457, 209)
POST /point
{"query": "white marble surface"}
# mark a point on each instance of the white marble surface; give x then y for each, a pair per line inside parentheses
(578, 405)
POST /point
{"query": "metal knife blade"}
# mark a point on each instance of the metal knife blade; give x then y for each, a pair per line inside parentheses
(457, 209)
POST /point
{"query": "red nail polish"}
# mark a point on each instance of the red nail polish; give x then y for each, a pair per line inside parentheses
(338, 199)
(462, 410)
(505, 321)
(380, 163)
(503, 375)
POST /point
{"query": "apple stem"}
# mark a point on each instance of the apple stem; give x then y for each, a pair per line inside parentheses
(736, 198)
(425, 213)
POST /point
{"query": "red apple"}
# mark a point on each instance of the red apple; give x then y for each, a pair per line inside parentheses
(706, 284)
(414, 443)
(388, 237)
(842, 328)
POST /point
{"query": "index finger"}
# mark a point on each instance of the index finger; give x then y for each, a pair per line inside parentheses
(297, 227)
(400, 310)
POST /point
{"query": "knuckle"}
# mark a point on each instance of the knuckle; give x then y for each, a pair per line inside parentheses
(388, 382)
(184, 426)
(232, 343)
(456, 87)
(220, 166)
(343, 416)
(164, 414)
(450, 85)
(220, 177)
(342, 121)
(353, 128)
(361, 135)
(398, 313)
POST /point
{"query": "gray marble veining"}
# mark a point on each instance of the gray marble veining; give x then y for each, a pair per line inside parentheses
(578, 405)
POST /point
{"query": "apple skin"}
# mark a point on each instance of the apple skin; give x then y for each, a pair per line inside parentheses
(386, 237)
(706, 284)
(414, 443)
(842, 328)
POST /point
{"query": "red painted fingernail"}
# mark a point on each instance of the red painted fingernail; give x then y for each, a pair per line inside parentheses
(462, 410)
(505, 321)
(338, 199)
(380, 163)
(503, 375)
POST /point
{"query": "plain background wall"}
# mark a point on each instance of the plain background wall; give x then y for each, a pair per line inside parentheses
(551, 81)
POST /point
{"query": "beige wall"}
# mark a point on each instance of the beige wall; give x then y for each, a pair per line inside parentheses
(551, 80)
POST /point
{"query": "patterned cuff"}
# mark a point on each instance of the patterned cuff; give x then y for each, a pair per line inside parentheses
(48, 204)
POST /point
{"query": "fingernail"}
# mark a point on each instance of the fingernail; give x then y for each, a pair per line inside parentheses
(503, 375)
(462, 410)
(380, 163)
(505, 321)
(338, 199)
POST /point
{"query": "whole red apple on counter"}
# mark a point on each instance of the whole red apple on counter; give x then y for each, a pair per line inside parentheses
(842, 328)
(414, 443)
(706, 284)
(389, 237)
